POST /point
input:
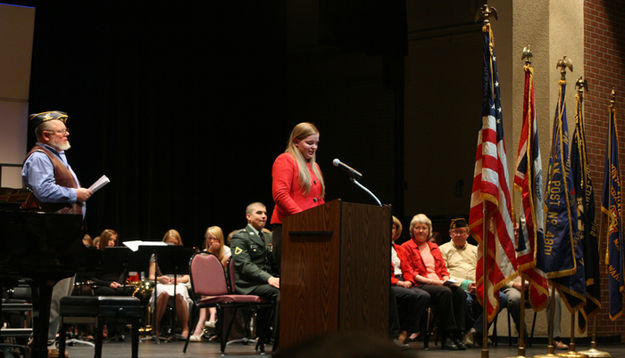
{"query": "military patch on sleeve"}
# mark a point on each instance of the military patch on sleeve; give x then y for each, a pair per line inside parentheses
(237, 250)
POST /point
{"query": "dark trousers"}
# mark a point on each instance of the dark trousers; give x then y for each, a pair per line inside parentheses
(268, 315)
(411, 305)
(394, 325)
(276, 239)
(448, 303)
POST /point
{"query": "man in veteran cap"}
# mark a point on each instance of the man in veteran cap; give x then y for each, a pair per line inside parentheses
(461, 259)
(46, 172)
(54, 188)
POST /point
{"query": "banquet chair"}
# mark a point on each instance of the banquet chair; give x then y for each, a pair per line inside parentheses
(211, 289)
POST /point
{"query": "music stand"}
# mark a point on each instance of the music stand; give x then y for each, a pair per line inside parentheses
(117, 260)
(140, 261)
(171, 260)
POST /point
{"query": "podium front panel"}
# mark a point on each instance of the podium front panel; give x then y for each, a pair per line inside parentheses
(309, 281)
(365, 279)
(335, 272)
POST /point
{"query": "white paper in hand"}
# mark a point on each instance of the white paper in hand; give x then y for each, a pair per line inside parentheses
(99, 183)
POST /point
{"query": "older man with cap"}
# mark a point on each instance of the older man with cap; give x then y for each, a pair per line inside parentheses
(54, 188)
(461, 259)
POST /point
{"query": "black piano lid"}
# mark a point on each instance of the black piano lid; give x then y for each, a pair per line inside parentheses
(36, 244)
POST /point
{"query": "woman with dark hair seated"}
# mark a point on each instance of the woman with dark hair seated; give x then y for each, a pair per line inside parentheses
(110, 283)
(426, 268)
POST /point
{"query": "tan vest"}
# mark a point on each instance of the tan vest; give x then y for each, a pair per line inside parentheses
(63, 177)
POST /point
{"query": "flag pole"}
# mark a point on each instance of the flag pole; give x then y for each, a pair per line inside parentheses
(593, 352)
(571, 353)
(562, 64)
(484, 283)
(527, 58)
(521, 348)
(484, 13)
(581, 85)
(550, 347)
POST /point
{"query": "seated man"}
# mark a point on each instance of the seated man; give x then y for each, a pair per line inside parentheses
(252, 252)
(461, 259)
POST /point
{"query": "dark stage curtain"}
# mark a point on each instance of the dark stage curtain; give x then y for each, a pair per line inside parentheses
(184, 105)
(180, 105)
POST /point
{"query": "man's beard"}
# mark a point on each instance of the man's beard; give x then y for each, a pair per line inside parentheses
(60, 145)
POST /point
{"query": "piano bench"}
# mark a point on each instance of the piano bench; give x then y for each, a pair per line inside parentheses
(16, 332)
(98, 310)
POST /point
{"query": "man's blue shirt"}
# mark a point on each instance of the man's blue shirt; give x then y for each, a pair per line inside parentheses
(38, 176)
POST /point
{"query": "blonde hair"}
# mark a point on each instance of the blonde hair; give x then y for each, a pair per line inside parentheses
(397, 223)
(175, 234)
(219, 234)
(299, 132)
(421, 219)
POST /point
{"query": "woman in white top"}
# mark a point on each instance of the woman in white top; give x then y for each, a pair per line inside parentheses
(165, 288)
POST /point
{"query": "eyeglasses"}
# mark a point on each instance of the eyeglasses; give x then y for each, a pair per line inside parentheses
(58, 131)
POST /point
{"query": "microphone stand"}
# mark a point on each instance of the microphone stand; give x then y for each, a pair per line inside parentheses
(353, 180)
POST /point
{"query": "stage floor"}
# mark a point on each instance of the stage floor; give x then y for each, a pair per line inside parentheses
(205, 349)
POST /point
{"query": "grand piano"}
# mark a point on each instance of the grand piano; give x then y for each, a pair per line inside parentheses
(41, 248)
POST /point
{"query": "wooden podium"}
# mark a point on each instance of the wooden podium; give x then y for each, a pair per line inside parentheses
(335, 271)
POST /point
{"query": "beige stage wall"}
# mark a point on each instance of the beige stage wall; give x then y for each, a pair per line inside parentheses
(16, 38)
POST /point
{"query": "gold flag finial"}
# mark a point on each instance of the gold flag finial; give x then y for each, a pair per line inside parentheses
(484, 13)
(612, 98)
(527, 55)
(581, 84)
(563, 63)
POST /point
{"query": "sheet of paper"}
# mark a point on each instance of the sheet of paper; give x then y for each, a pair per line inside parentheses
(99, 183)
(134, 244)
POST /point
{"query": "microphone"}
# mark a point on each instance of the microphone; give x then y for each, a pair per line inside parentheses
(351, 171)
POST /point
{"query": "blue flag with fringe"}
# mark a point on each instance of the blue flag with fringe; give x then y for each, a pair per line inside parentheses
(559, 254)
(611, 207)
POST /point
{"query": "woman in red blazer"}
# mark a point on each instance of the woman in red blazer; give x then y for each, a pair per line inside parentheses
(409, 302)
(426, 268)
(297, 182)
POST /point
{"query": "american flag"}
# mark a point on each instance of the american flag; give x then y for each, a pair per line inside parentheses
(528, 180)
(490, 198)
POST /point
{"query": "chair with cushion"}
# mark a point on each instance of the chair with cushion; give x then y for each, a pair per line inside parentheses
(210, 288)
(249, 323)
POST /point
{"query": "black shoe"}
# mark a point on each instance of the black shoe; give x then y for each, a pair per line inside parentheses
(449, 344)
(459, 344)
(402, 346)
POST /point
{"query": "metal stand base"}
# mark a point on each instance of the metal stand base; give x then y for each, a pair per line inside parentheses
(547, 355)
(571, 354)
(592, 352)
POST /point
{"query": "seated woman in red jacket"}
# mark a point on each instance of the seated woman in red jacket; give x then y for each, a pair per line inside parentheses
(411, 301)
(426, 269)
(297, 182)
